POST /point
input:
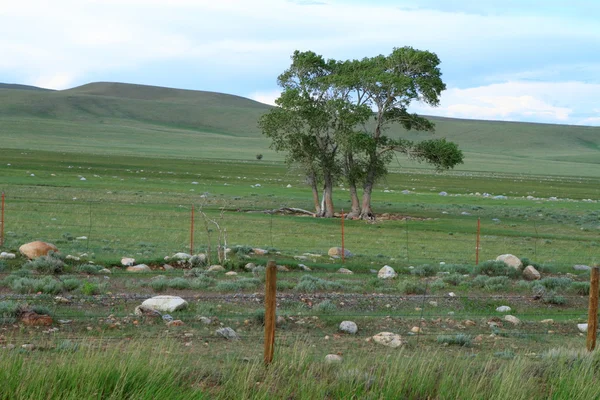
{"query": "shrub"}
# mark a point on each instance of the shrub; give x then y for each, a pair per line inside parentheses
(259, 156)
(424, 270)
(159, 285)
(9, 311)
(581, 288)
(202, 282)
(194, 272)
(309, 283)
(496, 268)
(552, 298)
(71, 284)
(178, 283)
(240, 284)
(49, 264)
(242, 250)
(90, 288)
(457, 340)
(457, 268)
(412, 288)
(453, 279)
(197, 261)
(497, 283)
(90, 269)
(33, 285)
(556, 283)
(2, 266)
(258, 316)
(480, 280)
(40, 309)
(285, 285)
(326, 307)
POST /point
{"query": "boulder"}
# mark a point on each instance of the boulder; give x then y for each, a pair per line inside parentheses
(512, 319)
(503, 309)
(416, 329)
(581, 268)
(304, 267)
(165, 304)
(139, 268)
(181, 256)
(37, 249)
(510, 260)
(583, 328)
(333, 359)
(250, 266)
(127, 261)
(216, 268)
(348, 327)
(388, 339)
(228, 333)
(337, 251)
(387, 272)
(344, 271)
(167, 267)
(205, 320)
(547, 321)
(531, 274)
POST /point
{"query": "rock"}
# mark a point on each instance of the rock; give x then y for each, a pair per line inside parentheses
(547, 321)
(304, 268)
(289, 186)
(127, 261)
(28, 346)
(531, 274)
(181, 256)
(81, 238)
(228, 333)
(250, 266)
(416, 329)
(167, 267)
(282, 268)
(176, 322)
(37, 249)
(468, 322)
(333, 359)
(583, 328)
(205, 320)
(280, 320)
(337, 251)
(146, 312)
(443, 194)
(63, 300)
(388, 339)
(165, 303)
(512, 319)
(231, 273)
(139, 268)
(348, 327)
(105, 271)
(503, 309)
(260, 252)
(70, 257)
(344, 271)
(216, 268)
(387, 272)
(7, 256)
(581, 268)
(33, 319)
(510, 260)
(451, 294)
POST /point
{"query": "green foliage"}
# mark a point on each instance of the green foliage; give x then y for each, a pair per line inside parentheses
(179, 283)
(9, 311)
(197, 261)
(424, 270)
(3, 266)
(310, 284)
(480, 280)
(194, 272)
(453, 279)
(90, 288)
(412, 287)
(497, 283)
(437, 284)
(47, 285)
(71, 284)
(554, 283)
(457, 268)
(203, 282)
(258, 316)
(90, 269)
(40, 309)
(50, 264)
(456, 340)
(325, 307)
(496, 268)
(259, 156)
(550, 297)
(581, 288)
(285, 285)
(159, 285)
(242, 250)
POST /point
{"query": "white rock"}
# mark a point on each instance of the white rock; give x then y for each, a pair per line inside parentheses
(348, 327)
(443, 194)
(81, 238)
(165, 304)
(547, 321)
(70, 257)
(228, 333)
(139, 268)
(83, 179)
(289, 186)
(231, 273)
(7, 256)
(216, 268)
(304, 268)
(388, 339)
(512, 319)
(344, 271)
(387, 272)
(127, 261)
(452, 294)
(105, 271)
(503, 309)
(333, 358)
(581, 268)
(583, 328)
(250, 266)
(531, 274)
(510, 260)
(182, 256)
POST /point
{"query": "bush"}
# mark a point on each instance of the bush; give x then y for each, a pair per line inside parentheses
(159, 285)
(40, 309)
(453, 279)
(311, 284)
(71, 284)
(258, 316)
(90, 288)
(552, 298)
(240, 284)
(179, 283)
(497, 283)
(480, 280)
(32, 285)
(326, 307)
(457, 268)
(2, 266)
(458, 340)
(438, 284)
(259, 156)
(412, 288)
(194, 272)
(202, 282)
(581, 288)
(49, 264)
(242, 250)
(285, 285)
(496, 268)
(90, 269)
(424, 270)
(197, 261)
(9, 311)
(556, 283)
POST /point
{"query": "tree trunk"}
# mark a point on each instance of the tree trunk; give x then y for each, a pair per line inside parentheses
(366, 212)
(328, 196)
(355, 208)
(315, 193)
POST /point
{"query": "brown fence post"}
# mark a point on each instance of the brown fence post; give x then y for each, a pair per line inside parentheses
(2, 223)
(270, 306)
(343, 251)
(593, 309)
(477, 245)
(192, 232)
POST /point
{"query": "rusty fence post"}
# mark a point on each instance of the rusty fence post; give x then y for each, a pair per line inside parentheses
(192, 232)
(477, 245)
(270, 306)
(2, 223)
(343, 248)
(593, 309)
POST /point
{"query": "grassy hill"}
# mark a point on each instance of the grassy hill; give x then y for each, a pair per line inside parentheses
(22, 87)
(125, 119)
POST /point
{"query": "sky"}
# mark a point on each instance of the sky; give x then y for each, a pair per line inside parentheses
(514, 60)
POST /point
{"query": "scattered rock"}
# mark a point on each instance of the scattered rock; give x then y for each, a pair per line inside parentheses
(282, 268)
(228, 333)
(181, 256)
(333, 359)
(81, 238)
(547, 321)
(231, 273)
(510, 260)
(167, 267)
(205, 320)
(451, 294)
(33, 319)
(468, 322)
(304, 267)
(250, 266)
(433, 303)
(344, 271)
(63, 300)
(216, 268)
(127, 261)
(387, 272)
(70, 257)
(503, 309)
(165, 303)
(105, 271)
(139, 268)
(280, 320)
(388, 339)
(531, 274)
(260, 252)
(443, 194)
(28, 346)
(176, 322)
(581, 268)
(416, 329)
(348, 327)
(37, 249)
(583, 328)
(7, 256)
(337, 251)
(512, 319)
(146, 312)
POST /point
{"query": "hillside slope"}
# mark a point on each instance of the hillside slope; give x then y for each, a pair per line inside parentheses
(116, 118)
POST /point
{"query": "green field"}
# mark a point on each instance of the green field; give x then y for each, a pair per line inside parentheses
(105, 171)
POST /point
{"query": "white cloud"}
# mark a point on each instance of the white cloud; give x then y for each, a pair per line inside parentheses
(266, 97)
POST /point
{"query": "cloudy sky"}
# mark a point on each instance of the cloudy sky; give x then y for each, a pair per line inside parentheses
(522, 60)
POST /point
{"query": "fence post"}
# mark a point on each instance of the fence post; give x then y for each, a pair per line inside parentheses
(406, 226)
(2, 223)
(343, 251)
(192, 232)
(270, 306)
(593, 309)
(477, 245)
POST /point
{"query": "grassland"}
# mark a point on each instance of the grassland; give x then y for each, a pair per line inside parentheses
(119, 167)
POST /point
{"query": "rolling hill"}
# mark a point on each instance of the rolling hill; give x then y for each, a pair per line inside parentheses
(126, 119)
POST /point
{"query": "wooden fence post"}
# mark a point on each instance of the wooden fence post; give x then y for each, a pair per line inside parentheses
(343, 249)
(192, 232)
(2, 223)
(270, 306)
(593, 309)
(477, 245)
